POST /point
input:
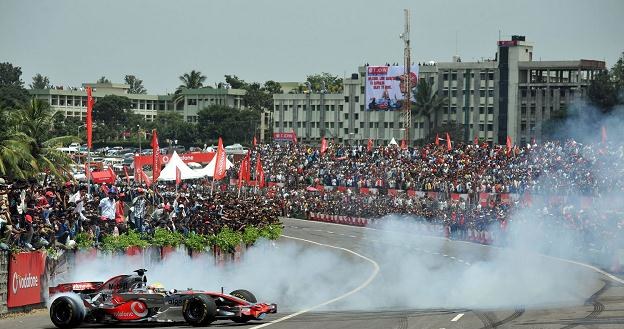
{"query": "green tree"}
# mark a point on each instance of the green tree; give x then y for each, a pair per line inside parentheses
(12, 92)
(171, 125)
(15, 158)
(233, 125)
(192, 80)
(617, 74)
(136, 85)
(235, 82)
(602, 92)
(35, 121)
(332, 83)
(103, 79)
(257, 98)
(112, 114)
(427, 104)
(273, 87)
(10, 75)
(40, 82)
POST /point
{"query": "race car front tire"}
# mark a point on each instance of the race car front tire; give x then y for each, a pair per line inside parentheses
(65, 312)
(199, 310)
(244, 295)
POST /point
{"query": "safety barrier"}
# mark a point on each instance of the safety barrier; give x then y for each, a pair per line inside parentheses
(337, 219)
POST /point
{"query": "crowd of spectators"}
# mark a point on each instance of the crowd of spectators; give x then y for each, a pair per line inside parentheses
(555, 174)
(34, 215)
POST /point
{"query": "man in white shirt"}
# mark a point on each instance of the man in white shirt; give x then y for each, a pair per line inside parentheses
(107, 207)
(78, 198)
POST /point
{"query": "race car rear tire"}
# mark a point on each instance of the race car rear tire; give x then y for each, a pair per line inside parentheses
(65, 312)
(199, 310)
(244, 295)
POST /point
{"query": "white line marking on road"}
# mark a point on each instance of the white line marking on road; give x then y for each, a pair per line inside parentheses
(445, 255)
(452, 257)
(467, 263)
(353, 236)
(330, 232)
(358, 288)
(457, 317)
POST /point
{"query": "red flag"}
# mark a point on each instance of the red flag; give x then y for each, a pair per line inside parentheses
(323, 145)
(146, 178)
(89, 117)
(403, 144)
(255, 141)
(508, 144)
(126, 173)
(294, 136)
(241, 172)
(370, 145)
(112, 174)
(448, 142)
(476, 140)
(437, 140)
(603, 133)
(248, 167)
(259, 173)
(178, 176)
(155, 156)
(220, 163)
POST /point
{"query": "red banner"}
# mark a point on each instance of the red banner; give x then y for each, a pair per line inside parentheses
(25, 272)
(285, 137)
(144, 160)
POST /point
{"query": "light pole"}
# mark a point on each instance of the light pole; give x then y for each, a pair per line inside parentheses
(139, 136)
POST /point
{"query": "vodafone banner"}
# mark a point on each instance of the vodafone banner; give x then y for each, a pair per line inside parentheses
(25, 284)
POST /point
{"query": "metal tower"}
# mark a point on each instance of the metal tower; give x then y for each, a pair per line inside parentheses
(407, 113)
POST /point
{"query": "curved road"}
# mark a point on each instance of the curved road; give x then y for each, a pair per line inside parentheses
(399, 280)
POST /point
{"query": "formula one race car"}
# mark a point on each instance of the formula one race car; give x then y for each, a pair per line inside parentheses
(128, 298)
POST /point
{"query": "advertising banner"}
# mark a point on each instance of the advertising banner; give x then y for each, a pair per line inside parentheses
(386, 86)
(283, 137)
(25, 278)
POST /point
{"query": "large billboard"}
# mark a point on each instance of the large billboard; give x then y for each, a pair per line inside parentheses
(386, 85)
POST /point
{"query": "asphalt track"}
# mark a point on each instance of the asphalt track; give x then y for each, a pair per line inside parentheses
(601, 296)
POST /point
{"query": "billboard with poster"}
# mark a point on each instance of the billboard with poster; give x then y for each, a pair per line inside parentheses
(386, 85)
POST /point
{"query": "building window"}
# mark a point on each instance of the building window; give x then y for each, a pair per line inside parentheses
(346, 99)
(490, 110)
(357, 116)
(490, 127)
(453, 110)
(445, 92)
(482, 93)
(391, 125)
(190, 101)
(481, 110)
(482, 76)
(357, 99)
(454, 76)
(453, 93)
(491, 76)
(490, 92)
(362, 125)
(445, 76)
(340, 107)
(346, 116)
(370, 125)
(481, 127)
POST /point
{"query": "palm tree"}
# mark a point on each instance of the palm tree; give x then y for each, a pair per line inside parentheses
(428, 103)
(35, 121)
(15, 158)
(192, 80)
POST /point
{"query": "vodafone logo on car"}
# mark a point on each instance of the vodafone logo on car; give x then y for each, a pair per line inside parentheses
(139, 309)
(23, 282)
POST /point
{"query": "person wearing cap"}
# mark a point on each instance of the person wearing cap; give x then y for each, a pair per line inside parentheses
(27, 233)
(107, 206)
(139, 206)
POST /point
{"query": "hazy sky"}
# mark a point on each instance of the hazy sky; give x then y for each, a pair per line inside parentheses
(284, 40)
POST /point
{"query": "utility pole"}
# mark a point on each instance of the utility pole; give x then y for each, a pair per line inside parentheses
(407, 99)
